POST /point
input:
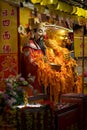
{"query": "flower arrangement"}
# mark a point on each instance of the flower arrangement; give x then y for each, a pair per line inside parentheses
(13, 94)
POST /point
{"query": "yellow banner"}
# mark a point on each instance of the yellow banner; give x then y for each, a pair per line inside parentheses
(78, 43)
(8, 28)
(8, 42)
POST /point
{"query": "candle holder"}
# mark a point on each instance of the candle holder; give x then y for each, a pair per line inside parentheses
(25, 98)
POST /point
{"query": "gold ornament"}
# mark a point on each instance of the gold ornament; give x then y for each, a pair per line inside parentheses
(25, 98)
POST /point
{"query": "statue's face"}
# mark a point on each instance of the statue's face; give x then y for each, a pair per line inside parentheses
(41, 31)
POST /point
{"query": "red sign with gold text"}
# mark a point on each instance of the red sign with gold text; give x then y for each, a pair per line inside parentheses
(8, 66)
(8, 42)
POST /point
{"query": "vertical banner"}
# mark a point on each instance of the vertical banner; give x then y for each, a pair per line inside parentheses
(85, 45)
(8, 41)
(80, 46)
(8, 28)
(78, 43)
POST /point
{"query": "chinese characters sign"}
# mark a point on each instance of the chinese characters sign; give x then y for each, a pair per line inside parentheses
(8, 28)
(8, 65)
(8, 42)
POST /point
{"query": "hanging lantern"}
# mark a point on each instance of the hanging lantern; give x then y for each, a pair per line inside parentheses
(35, 1)
(74, 10)
(52, 1)
(51, 7)
(68, 8)
(60, 6)
(80, 12)
(43, 2)
(65, 7)
(48, 2)
(85, 13)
